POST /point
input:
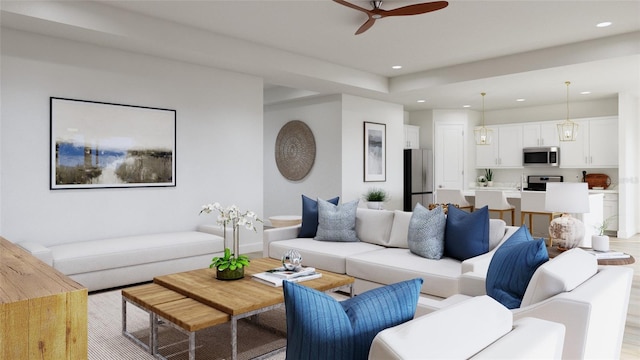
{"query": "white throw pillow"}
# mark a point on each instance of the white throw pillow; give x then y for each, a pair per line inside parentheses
(400, 229)
(374, 226)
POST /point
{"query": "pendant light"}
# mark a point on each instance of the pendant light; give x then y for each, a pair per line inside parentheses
(482, 134)
(568, 130)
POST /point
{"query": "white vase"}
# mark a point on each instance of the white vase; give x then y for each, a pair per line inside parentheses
(376, 205)
(489, 183)
(600, 242)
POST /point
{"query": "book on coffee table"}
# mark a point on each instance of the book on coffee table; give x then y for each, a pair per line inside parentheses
(273, 280)
(611, 254)
(283, 273)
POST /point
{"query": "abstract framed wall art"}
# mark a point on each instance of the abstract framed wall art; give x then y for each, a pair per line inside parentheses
(103, 145)
(375, 157)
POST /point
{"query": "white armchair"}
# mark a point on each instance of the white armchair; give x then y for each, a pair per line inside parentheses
(571, 289)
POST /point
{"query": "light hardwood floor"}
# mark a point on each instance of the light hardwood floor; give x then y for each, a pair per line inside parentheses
(631, 341)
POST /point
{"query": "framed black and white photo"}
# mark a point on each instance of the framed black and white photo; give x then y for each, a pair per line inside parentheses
(375, 144)
(104, 145)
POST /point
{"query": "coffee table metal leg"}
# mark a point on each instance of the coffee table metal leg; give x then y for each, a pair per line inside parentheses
(234, 338)
(192, 346)
(147, 347)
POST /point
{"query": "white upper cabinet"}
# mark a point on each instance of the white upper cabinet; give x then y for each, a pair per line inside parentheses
(411, 137)
(505, 150)
(595, 147)
(540, 134)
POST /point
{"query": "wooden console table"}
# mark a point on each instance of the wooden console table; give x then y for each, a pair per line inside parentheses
(43, 313)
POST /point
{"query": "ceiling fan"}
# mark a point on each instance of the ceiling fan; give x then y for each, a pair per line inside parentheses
(377, 13)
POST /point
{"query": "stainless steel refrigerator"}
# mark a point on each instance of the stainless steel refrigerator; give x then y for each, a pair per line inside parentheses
(418, 178)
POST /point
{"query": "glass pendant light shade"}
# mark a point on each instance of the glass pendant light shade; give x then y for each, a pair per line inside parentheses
(482, 134)
(568, 130)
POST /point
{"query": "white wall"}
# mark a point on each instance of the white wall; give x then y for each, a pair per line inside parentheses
(577, 109)
(218, 152)
(424, 119)
(323, 116)
(629, 182)
(356, 111)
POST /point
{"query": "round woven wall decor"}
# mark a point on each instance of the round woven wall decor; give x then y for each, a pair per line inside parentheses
(295, 150)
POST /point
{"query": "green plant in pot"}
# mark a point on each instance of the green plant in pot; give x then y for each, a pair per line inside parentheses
(488, 174)
(231, 265)
(600, 241)
(375, 197)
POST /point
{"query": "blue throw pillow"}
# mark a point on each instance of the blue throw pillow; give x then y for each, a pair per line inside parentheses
(319, 327)
(426, 232)
(466, 234)
(337, 222)
(512, 267)
(310, 216)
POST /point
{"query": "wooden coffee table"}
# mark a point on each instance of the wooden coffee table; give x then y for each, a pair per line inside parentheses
(201, 289)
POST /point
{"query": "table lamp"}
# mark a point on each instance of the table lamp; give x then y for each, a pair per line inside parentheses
(567, 198)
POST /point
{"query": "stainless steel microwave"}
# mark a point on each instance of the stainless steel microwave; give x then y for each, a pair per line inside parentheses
(541, 156)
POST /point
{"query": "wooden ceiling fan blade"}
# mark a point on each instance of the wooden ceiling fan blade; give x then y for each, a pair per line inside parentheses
(353, 6)
(416, 9)
(366, 26)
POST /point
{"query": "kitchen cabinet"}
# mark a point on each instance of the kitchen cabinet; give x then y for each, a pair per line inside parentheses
(593, 147)
(610, 210)
(540, 134)
(505, 150)
(411, 137)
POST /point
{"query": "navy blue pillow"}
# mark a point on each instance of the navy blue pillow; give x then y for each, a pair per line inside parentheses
(310, 216)
(512, 267)
(466, 234)
(319, 327)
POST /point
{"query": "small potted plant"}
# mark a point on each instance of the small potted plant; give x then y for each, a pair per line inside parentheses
(488, 174)
(375, 197)
(600, 241)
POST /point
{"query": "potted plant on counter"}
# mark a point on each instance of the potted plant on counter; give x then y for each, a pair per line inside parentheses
(375, 197)
(488, 174)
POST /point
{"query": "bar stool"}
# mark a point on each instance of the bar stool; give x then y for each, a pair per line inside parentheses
(453, 196)
(533, 203)
(496, 200)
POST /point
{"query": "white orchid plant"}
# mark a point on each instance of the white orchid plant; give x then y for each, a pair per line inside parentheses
(231, 215)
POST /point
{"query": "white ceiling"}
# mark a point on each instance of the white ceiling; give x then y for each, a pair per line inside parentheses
(508, 49)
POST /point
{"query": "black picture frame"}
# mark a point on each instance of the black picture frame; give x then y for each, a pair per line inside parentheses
(375, 157)
(105, 145)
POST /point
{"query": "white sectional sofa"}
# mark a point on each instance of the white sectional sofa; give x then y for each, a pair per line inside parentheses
(107, 263)
(478, 328)
(382, 256)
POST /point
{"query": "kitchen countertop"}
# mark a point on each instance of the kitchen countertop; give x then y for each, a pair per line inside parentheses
(514, 193)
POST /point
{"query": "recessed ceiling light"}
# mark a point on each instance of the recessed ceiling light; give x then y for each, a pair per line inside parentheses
(585, 93)
(604, 24)
(396, 67)
(466, 106)
(520, 100)
(421, 100)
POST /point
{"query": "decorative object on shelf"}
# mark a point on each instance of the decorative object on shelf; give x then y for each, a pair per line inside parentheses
(600, 241)
(567, 198)
(103, 145)
(292, 260)
(295, 150)
(231, 265)
(488, 174)
(483, 134)
(482, 181)
(568, 130)
(375, 157)
(375, 197)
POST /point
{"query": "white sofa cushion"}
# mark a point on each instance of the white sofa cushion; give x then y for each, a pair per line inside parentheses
(390, 265)
(95, 255)
(496, 232)
(457, 332)
(563, 273)
(374, 226)
(326, 255)
(400, 229)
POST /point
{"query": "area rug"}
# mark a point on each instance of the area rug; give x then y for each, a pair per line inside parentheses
(107, 342)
